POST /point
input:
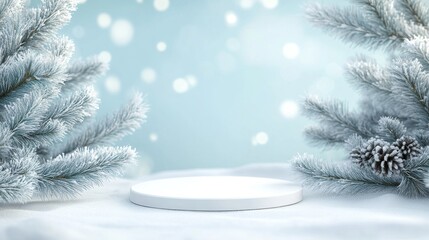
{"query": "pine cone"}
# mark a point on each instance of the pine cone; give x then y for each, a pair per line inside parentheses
(363, 155)
(380, 156)
(387, 160)
(408, 146)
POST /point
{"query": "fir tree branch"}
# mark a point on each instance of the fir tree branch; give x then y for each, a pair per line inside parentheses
(367, 75)
(68, 175)
(376, 25)
(63, 115)
(38, 26)
(418, 48)
(83, 71)
(422, 137)
(383, 14)
(341, 178)
(324, 137)
(73, 108)
(9, 7)
(335, 116)
(411, 89)
(28, 109)
(415, 11)
(414, 175)
(354, 142)
(351, 26)
(17, 176)
(5, 139)
(28, 68)
(391, 129)
(112, 128)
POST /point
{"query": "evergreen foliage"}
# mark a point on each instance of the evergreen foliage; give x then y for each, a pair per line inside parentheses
(46, 150)
(387, 137)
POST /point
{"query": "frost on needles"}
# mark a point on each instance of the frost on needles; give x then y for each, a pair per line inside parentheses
(387, 136)
(51, 147)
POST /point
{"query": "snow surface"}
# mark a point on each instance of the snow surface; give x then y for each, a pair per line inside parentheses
(106, 213)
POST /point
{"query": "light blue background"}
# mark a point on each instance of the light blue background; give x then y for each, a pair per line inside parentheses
(239, 91)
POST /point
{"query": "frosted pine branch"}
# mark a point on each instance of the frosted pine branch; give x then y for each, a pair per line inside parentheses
(351, 26)
(74, 107)
(324, 137)
(415, 11)
(418, 48)
(27, 68)
(36, 113)
(9, 7)
(367, 75)
(27, 116)
(84, 70)
(411, 89)
(391, 129)
(40, 25)
(68, 175)
(336, 116)
(18, 176)
(415, 175)
(340, 178)
(112, 128)
(387, 138)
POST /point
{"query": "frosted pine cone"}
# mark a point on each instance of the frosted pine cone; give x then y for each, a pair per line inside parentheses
(380, 156)
(387, 160)
(408, 146)
(363, 155)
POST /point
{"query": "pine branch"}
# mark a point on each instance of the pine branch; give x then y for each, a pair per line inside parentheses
(63, 115)
(418, 48)
(68, 175)
(17, 176)
(5, 139)
(27, 68)
(411, 89)
(335, 116)
(351, 26)
(111, 129)
(383, 14)
(354, 142)
(73, 108)
(415, 11)
(391, 129)
(61, 48)
(9, 8)
(376, 24)
(367, 75)
(324, 137)
(340, 178)
(422, 136)
(44, 22)
(414, 174)
(24, 116)
(83, 71)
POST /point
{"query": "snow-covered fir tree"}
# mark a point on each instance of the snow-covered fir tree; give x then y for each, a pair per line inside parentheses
(51, 147)
(387, 137)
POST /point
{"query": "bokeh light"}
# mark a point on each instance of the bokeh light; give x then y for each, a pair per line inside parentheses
(260, 138)
(180, 85)
(112, 84)
(122, 32)
(161, 5)
(148, 75)
(231, 18)
(104, 20)
(289, 109)
(161, 46)
(290, 50)
(105, 56)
